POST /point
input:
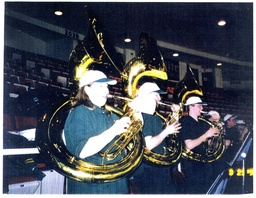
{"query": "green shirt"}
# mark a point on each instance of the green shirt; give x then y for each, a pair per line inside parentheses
(81, 124)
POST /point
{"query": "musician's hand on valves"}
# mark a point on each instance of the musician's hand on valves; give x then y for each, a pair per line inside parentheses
(121, 125)
(213, 132)
(173, 128)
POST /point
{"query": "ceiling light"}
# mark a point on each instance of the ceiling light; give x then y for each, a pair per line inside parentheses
(222, 23)
(58, 13)
(219, 64)
(127, 38)
(175, 55)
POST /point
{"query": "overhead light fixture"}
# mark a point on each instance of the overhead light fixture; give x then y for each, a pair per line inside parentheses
(222, 23)
(127, 38)
(219, 64)
(175, 55)
(58, 13)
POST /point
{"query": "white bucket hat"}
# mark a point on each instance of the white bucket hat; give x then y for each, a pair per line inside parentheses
(194, 100)
(149, 87)
(95, 76)
(228, 116)
(240, 122)
(211, 113)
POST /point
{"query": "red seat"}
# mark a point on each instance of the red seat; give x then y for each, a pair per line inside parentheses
(17, 88)
(25, 122)
(9, 71)
(27, 82)
(12, 79)
(21, 73)
(8, 125)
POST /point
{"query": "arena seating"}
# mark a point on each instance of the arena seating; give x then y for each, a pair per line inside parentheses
(25, 70)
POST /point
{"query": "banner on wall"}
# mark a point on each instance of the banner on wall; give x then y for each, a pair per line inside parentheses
(172, 69)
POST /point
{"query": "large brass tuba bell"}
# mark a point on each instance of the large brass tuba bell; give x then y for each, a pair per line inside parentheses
(188, 86)
(150, 63)
(88, 54)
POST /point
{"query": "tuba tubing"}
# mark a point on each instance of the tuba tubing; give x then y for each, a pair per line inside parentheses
(124, 141)
(213, 151)
(173, 149)
(51, 145)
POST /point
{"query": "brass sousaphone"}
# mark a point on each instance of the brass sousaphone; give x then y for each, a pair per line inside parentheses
(150, 63)
(187, 87)
(147, 64)
(90, 53)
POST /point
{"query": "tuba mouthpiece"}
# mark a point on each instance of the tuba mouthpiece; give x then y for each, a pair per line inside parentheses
(109, 96)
